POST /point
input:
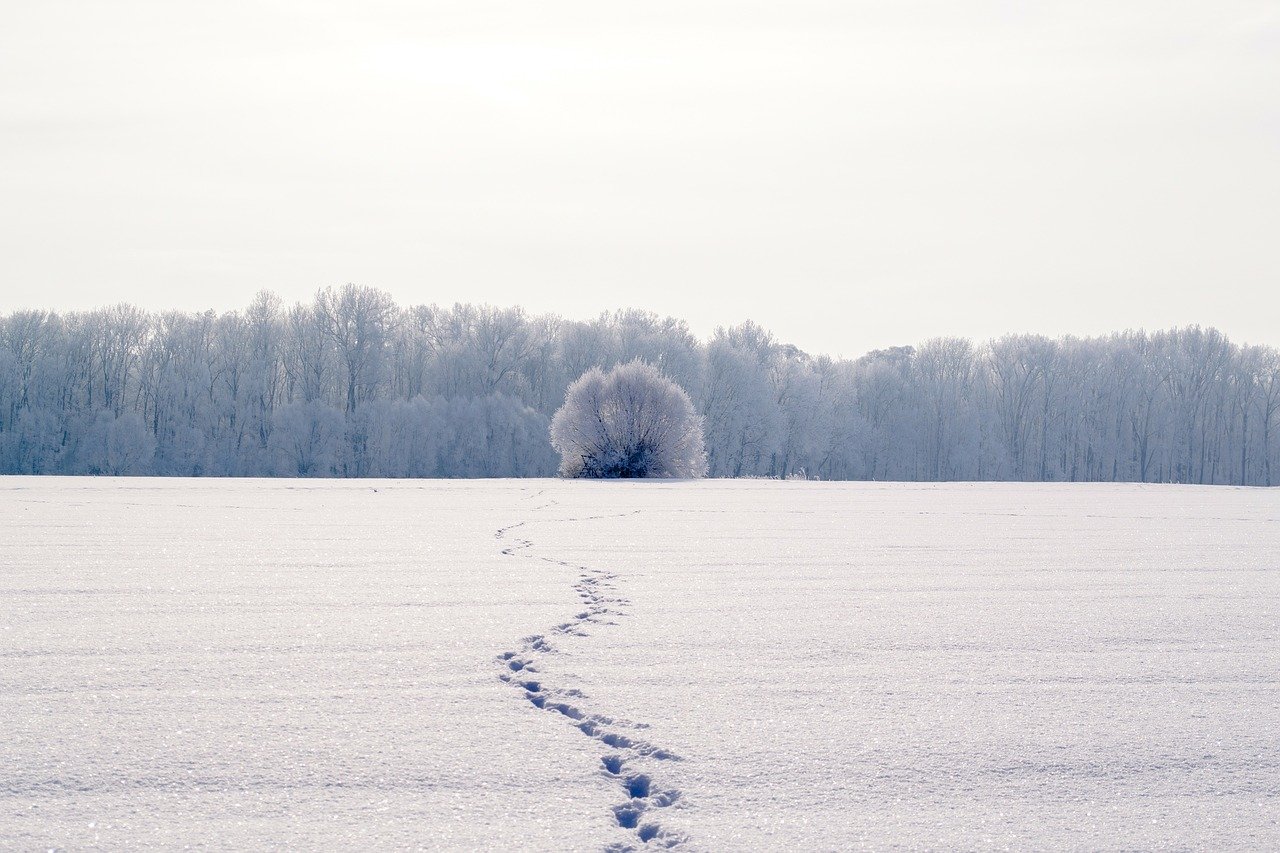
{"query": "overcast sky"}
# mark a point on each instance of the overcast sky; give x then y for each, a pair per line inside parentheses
(850, 174)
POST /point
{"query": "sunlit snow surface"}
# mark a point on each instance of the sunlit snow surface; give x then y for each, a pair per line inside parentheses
(764, 665)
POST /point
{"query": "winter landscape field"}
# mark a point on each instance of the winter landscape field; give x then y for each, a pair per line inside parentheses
(712, 665)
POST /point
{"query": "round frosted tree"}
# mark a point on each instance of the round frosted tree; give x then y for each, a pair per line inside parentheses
(629, 422)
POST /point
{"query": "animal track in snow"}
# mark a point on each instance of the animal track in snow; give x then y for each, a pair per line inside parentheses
(627, 755)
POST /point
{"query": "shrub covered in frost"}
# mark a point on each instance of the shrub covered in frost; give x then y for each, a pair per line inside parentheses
(629, 422)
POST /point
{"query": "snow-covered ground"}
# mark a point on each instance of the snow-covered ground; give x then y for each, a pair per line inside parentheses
(765, 665)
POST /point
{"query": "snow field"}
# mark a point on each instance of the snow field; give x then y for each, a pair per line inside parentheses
(958, 666)
(269, 663)
(703, 665)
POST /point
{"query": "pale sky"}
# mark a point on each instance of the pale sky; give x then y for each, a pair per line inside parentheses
(852, 175)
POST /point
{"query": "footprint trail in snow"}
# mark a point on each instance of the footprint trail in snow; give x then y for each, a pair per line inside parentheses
(625, 757)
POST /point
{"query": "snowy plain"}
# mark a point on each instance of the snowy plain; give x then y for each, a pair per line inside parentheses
(763, 665)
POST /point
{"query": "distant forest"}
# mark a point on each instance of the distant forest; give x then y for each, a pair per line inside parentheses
(352, 385)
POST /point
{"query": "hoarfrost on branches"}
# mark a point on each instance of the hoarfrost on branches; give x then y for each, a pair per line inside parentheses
(359, 387)
(630, 422)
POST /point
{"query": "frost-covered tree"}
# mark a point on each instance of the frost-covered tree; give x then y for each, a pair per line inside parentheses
(305, 437)
(357, 321)
(743, 422)
(117, 445)
(363, 387)
(629, 422)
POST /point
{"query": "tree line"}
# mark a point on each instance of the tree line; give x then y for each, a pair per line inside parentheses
(352, 385)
